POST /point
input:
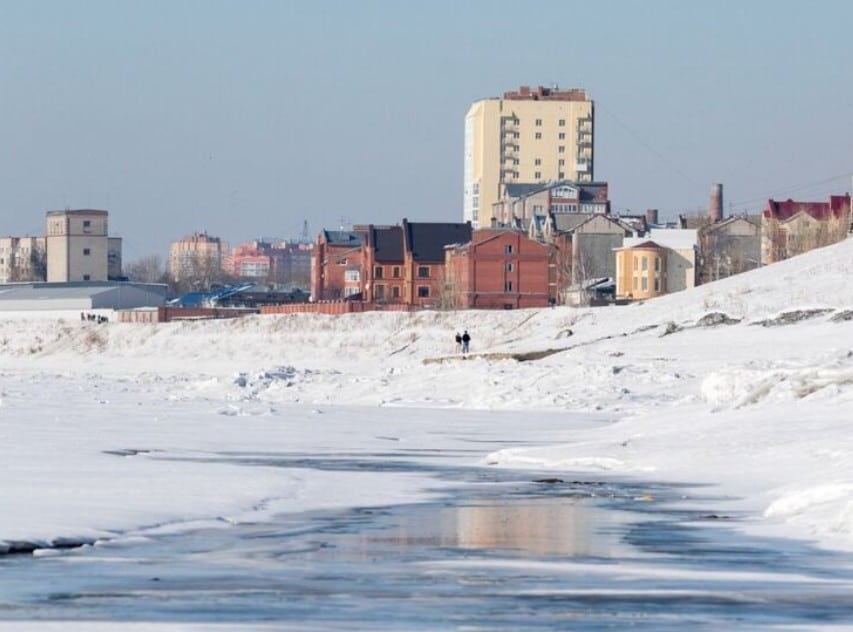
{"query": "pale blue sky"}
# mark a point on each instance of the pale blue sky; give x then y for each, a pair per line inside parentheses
(244, 118)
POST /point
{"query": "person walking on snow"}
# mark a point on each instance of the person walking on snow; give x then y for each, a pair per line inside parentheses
(466, 339)
(458, 342)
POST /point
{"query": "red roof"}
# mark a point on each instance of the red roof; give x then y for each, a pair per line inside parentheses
(838, 206)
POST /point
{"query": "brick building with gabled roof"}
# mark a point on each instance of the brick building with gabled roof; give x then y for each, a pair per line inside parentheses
(336, 265)
(383, 260)
(790, 228)
(423, 252)
(385, 264)
(499, 268)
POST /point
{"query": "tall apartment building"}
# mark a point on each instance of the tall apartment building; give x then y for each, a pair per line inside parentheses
(528, 136)
(78, 247)
(22, 259)
(198, 256)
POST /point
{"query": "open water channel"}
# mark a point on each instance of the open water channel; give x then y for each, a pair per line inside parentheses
(501, 550)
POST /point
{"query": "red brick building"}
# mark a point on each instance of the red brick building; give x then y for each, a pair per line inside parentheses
(500, 268)
(385, 264)
(791, 228)
(424, 259)
(383, 269)
(336, 265)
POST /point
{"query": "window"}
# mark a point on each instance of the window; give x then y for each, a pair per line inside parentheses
(351, 291)
(537, 162)
(645, 284)
(377, 272)
(657, 264)
(352, 276)
(561, 122)
(538, 122)
(657, 285)
(342, 261)
(508, 249)
(508, 267)
(423, 272)
(561, 162)
(379, 291)
(636, 262)
(561, 136)
(635, 283)
(507, 286)
(87, 277)
(538, 135)
(561, 175)
(423, 291)
(561, 149)
(87, 251)
(395, 291)
(395, 272)
(537, 175)
(645, 264)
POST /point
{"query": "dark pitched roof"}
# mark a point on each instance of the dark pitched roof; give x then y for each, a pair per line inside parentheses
(587, 191)
(426, 240)
(387, 244)
(521, 189)
(343, 238)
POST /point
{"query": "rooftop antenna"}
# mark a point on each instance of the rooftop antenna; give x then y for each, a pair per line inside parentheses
(304, 236)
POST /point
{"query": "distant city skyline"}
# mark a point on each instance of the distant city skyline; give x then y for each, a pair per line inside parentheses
(245, 119)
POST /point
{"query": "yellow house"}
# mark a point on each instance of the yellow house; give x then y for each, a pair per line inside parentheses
(641, 271)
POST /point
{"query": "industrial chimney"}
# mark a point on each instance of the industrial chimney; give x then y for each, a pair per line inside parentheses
(715, 211)
(651, 216)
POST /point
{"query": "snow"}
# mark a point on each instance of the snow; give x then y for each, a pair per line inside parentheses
(111, 431)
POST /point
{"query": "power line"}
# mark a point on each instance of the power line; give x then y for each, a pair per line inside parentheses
(648, 147)
(793, 189)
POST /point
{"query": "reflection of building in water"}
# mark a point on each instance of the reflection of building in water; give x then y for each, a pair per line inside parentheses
(561, 527)
(546, 527)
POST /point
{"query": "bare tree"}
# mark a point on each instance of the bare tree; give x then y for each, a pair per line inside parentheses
(148, 269)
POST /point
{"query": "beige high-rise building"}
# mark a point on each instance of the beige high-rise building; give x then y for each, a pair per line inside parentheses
(198, 256)
(528, 136)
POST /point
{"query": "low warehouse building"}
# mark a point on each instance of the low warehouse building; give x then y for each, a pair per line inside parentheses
(87, 295)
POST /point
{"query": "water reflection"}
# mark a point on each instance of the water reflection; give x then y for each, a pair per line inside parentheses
(541, 527)
(507, 555)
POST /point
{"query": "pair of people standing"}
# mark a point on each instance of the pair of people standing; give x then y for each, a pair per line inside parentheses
(462, 342)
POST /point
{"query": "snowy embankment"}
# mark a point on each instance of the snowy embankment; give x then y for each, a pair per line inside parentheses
(743, 385)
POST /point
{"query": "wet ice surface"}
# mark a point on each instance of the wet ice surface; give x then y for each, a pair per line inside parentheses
(502, 550)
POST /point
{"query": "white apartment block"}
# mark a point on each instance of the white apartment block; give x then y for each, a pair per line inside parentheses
(529, 136)
(22, 259)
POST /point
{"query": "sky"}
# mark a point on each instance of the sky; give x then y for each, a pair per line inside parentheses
(101, 422)
(248, 119)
